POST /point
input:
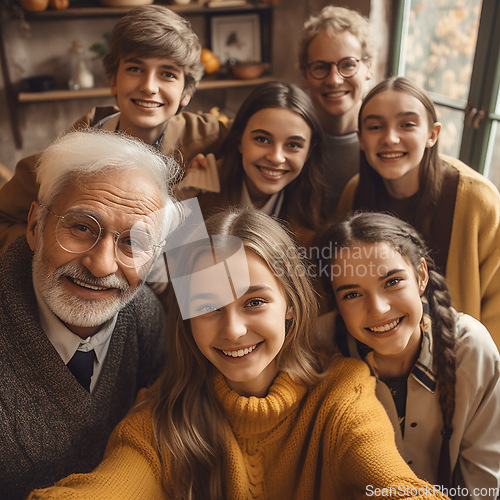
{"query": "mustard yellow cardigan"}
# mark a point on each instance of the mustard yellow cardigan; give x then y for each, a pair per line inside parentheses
(473, 265)
(333, 441)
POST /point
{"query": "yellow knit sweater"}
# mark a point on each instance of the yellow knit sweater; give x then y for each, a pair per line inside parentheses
(330, 442)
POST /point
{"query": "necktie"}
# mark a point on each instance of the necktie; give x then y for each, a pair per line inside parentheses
(82, 367)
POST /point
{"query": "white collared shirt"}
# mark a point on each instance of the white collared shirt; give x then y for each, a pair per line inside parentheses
(66, 343)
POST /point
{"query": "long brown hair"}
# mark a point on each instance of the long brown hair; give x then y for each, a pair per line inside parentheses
(371, 193)
(370, 227)
(189, 423)
(303, 194)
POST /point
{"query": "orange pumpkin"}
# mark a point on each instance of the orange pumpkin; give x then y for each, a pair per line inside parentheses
(59, 4)
(210, 60)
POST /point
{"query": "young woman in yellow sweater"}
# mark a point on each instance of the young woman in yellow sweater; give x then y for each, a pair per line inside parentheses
(249, 405)
(437, 370)
(456, 209)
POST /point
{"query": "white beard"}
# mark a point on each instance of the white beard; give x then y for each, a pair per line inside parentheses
(72, 309)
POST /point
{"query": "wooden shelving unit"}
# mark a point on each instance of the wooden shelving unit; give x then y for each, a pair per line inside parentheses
(102, 11)
(15, 99)
(63, 95)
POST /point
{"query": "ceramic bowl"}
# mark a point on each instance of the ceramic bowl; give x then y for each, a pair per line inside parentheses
(247, 70)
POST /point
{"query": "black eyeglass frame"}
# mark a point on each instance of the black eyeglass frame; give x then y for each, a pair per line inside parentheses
(332, 63)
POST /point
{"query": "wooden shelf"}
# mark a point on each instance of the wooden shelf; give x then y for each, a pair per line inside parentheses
(64, 95)
(209, 84)
(103, 11)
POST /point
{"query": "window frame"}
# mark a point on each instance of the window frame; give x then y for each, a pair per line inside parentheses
(479, 108)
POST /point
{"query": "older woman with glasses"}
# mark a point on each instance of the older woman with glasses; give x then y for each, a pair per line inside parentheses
(335, 58)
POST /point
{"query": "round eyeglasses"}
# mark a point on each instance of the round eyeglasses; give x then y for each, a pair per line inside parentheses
(80, 232)
(347, 68)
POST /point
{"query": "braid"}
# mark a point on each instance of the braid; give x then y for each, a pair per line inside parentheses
(443, 326)
(372, 227)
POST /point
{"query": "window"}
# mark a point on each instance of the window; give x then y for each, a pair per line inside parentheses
(451, 49)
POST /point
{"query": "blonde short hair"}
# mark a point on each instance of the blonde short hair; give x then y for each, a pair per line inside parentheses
(334, 20)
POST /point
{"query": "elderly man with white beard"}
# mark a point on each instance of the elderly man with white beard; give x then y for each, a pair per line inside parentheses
(79, 332)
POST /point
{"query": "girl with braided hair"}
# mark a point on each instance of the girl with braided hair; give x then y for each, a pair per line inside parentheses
(437, 370)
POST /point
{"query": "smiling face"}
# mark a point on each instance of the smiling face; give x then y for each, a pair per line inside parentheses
(378, 295)
(274, 148)
(87, 289)
(337, 99)
(395, 132)
(243, 338)
(148, 91)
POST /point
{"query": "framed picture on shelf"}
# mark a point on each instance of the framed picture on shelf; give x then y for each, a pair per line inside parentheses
(236, 37)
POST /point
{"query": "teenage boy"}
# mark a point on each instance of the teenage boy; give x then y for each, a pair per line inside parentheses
(154, 68)
(335, 57)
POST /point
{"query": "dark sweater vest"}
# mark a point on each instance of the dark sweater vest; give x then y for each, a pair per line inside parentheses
(50, 426)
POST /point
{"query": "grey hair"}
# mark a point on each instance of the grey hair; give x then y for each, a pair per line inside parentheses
(79, 155)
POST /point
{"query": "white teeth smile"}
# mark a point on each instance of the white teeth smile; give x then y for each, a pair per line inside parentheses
(385, 328)
(240, 353)
(148, 104)
(336, 94)
(391, 156)
(87, 285)
(272, 173)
